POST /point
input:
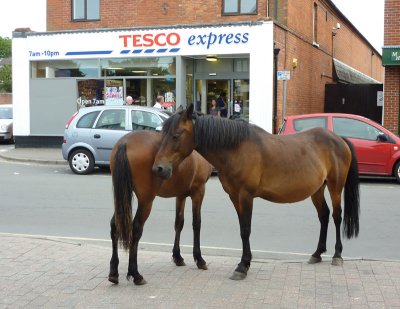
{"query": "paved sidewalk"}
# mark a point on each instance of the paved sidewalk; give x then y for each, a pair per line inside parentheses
(38, 155)
(49, 273)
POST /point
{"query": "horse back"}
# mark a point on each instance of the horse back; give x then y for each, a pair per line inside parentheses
(304, 161)
(141, 148)
(285, 168)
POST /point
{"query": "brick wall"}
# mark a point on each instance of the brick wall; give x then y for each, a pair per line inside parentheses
(5, 98)
(392, 74)
(306, 89)
(121, 14)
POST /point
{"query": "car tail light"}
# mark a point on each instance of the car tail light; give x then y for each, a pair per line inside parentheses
(69, 121)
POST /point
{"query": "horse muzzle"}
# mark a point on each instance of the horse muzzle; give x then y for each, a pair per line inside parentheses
(163, 171)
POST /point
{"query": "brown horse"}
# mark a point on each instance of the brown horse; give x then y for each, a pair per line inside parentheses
(131, 163)
(279, 168)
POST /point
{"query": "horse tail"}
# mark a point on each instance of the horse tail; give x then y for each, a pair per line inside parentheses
(122, 189)
(351, 197)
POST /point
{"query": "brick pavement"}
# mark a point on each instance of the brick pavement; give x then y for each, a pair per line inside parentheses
(49, 273)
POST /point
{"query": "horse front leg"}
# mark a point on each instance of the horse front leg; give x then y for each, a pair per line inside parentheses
(197, 201)
(113, 275)
(244, 211)
(179, 222)
(141, 216)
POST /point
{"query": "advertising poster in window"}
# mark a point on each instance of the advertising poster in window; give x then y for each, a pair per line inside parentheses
(114, 92)
(114, 95)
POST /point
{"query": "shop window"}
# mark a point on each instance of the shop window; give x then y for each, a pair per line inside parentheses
(153, 66)
(137, 89)
(90, 92)
(85, 10)
(65, 68)
(239, 7)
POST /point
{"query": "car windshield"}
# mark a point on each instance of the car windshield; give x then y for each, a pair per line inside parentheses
(6, 113)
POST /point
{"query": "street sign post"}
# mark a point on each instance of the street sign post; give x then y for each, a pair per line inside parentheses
(285, 76)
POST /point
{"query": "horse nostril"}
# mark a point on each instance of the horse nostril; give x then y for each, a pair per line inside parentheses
(158, 169)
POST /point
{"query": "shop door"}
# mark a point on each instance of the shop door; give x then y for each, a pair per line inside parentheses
(220, 89)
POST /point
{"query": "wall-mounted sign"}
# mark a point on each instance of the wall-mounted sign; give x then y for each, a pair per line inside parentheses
(283, 75)
(391, 56)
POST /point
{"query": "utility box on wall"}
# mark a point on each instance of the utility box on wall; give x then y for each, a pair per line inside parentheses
(359, 99)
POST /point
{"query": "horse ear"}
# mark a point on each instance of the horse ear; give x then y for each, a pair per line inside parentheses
(189, 112)
(179, 109)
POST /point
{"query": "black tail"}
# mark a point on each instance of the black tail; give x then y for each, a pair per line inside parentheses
(122, 189)
(351, 198)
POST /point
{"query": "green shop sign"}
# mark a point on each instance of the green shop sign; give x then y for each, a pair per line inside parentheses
(391, 55)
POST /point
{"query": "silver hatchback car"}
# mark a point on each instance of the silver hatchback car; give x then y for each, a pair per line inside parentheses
(92, 132)
(6, 123)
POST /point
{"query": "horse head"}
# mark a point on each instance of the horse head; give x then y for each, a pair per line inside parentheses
(177, 142)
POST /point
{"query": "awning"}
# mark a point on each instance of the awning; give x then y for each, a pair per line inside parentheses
(347, 74)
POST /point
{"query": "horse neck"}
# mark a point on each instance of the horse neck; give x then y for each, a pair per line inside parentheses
(216, 139)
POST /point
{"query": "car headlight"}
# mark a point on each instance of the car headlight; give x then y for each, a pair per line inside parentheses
(4, 127)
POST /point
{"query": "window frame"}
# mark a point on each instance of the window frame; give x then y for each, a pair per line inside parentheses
(113, 112)
(368, 132)
(85, 18)
(238, 12)
(81, 121)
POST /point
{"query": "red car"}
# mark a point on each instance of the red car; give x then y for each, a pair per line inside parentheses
(377, 149)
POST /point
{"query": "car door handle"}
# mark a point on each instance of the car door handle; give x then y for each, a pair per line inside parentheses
(97, 136)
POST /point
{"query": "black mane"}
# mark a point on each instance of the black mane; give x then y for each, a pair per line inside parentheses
(214, 132)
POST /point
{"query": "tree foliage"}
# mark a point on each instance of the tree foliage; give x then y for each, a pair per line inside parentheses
(6, 79)
(5, 47)
(6, 70)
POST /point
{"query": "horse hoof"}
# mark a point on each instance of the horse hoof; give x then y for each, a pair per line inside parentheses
(179, 261)
(238, 275)
(113, 278)
(139, 281)
(314, 260)
(202, 266)
(337, 261)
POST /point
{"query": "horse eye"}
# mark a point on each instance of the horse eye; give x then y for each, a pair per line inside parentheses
(176, 136)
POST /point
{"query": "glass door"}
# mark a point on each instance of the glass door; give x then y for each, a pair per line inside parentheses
(240, 98)
(208, 89)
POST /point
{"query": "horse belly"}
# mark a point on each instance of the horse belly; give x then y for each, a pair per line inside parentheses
(291, 190)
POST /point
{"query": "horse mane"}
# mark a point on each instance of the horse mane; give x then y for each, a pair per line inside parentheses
(214, 132)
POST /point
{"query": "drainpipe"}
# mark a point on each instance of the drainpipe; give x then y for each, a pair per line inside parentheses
(275, 116)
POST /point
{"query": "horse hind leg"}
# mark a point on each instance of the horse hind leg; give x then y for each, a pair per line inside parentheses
(337, 259)
(113, 275)
(322, 208)
(197, 201)
(142, 213)
(179, 222)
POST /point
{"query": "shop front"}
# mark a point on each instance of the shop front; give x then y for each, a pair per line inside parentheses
(56, 73)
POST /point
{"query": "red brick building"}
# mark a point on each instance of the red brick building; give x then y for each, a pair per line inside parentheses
(308, 33)
(149, 48)
(391, 61)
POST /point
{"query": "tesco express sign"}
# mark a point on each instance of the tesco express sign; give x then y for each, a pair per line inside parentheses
(173, 39)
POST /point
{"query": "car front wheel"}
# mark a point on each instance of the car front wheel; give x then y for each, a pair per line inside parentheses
(81, 162)
(397, 171)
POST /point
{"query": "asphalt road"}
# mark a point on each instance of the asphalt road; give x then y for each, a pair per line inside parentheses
(50, 200)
